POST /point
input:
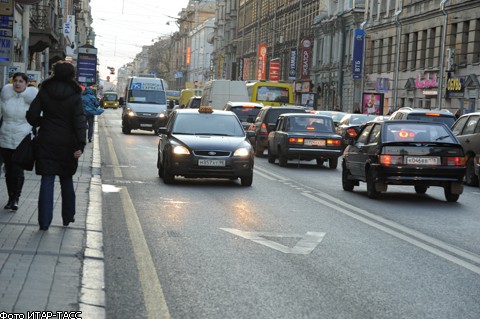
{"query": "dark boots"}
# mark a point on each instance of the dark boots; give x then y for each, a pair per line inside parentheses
(14, 187)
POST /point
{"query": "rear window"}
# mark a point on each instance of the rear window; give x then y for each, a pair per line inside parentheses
(417, 132)
(274, 113)
(442, 118)
(244, 113)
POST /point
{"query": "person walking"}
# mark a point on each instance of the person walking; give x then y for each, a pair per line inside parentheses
(90, 104)
(58, 112)
(15, 100)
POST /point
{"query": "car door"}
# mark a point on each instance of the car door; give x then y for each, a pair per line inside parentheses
(272, 137)
(470, 135)
(357, 155)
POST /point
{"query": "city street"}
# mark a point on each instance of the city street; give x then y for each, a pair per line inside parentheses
(293, 245)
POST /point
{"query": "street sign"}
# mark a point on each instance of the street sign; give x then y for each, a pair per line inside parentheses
(87, 68)
(6, 49)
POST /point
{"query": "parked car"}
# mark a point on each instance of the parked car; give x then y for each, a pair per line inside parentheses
(265, 123)
(408, 113)
(335, 115)
(246, 111)
(205, 143)
(467, 131)
(350, 124)
(305, 137)
(416, 153)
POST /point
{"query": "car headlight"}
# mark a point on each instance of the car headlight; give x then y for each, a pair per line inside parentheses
(241, 152)
(130, 113)
(161, 115)
(181, 150)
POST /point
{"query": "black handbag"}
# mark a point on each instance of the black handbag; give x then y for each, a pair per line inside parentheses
(24, 154)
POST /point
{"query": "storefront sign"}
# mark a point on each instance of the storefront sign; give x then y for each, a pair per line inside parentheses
(427, 82)
(274, 71)
(455, 87)
(292, 72)
(306, 58)
(357, 62)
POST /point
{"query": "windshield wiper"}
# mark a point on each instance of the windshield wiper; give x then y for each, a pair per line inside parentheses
(442, 137)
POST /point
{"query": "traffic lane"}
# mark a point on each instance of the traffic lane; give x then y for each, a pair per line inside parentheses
(454, 223)
(355, 271)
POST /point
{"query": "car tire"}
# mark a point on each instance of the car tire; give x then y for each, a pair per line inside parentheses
(258, 149)
(371, 188)
(282, 159)
(271, 157)
(347, 184)
(449, 196)
(333, 163)
(160, 168)
(246, 180)
(168, 177)
(470, 178)
(420, 189)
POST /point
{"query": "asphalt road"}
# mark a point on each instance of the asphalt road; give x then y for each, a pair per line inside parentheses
(294, 245)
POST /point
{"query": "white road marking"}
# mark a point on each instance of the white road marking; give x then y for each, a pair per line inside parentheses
(305, 245)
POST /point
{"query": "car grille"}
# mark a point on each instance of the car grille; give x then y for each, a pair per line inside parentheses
(212, 153)
(146, 114)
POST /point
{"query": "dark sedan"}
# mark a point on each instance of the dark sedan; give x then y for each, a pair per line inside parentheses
(304, 137)
(350, 124)
(415, 153)
(204, 143)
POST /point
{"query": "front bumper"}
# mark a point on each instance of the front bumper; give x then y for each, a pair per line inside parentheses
(188, 167)
(144, 123)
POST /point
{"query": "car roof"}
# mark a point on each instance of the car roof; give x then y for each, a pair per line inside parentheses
(322, 116)
(196, 111)
(235, 104)
(420, 110)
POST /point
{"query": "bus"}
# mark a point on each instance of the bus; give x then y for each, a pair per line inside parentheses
(270, 93)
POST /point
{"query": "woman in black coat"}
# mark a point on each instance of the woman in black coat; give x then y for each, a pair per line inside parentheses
(58, 112)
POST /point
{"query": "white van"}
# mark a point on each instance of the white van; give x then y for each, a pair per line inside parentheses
(145, 104)
(217, 93)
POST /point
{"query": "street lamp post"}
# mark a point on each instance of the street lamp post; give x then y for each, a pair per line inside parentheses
(442, 53)
(397, 58)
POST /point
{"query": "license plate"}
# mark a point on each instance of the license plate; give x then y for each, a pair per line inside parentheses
(314, 142)
(423, 160)
(145, 125)
(211, 162)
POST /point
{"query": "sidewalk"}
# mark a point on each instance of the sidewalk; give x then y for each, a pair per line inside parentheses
(59, 270)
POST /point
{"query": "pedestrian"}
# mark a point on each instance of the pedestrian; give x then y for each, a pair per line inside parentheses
(57, 111)
(15, 100)
(91, 108)
(356, 110)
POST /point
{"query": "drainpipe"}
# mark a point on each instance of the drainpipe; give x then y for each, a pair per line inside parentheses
(397, 58)
(26, 34)
(442, 53)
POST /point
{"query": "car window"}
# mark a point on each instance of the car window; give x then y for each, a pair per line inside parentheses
(471, 125)
(362, 139)
(245, 113)
(360, 119)
(274, 113)
(458, 127)
(280, 124)
(375, 135)
(418, 132)
(448, 120)
(207, 124)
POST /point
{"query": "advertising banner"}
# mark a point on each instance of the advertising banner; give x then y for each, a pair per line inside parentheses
(372, 103)
(306, 59)
(357, 62)
(246, 64)
(274, 71)
(292, 72)
(262, 62)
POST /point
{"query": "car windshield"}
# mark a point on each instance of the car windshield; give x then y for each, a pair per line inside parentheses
(417, 132)
(147, 97)
(361, 118)
(245, 112)
(449, 120)
(309, 124)
(110, 97)
(207, 124)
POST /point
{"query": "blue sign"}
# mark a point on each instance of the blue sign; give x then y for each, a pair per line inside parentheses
(87, 68)
(357, 62)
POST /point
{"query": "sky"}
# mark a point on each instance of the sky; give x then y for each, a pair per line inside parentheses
(122, 27)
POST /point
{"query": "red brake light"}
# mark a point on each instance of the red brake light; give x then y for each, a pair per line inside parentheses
(263, 129)
(334, 142)
(455, 161)
(432, 114)
(295, 140)
(351, 132)
(387, 159)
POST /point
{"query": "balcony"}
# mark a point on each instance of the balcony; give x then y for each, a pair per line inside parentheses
(44, 28)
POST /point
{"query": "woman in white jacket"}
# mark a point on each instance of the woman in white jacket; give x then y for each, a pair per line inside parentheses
(15, 100)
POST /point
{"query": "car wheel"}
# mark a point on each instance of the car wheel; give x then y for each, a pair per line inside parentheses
(470, 177)
(282, 159)
(371, 189)
(271, 157)
(160, 168)
(247, 180)
(449, 196)
(126, 130)
(420, 189)
(333, 163)
(258, 149)
(168, 177)
(347, 184)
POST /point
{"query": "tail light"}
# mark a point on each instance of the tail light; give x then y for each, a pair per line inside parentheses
(454, 161)
(351, 132)
(263, 129)
(387, 159)
(334, 142)
(295, 140)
